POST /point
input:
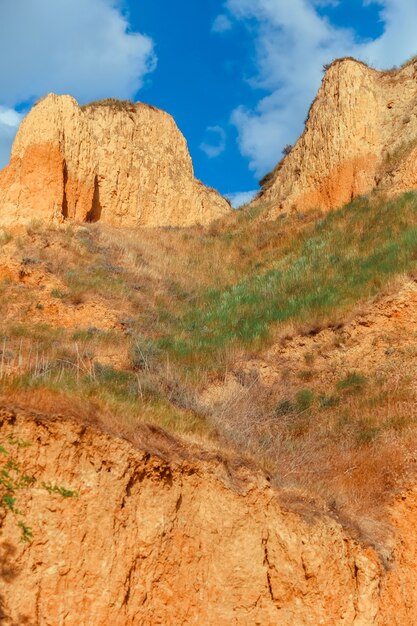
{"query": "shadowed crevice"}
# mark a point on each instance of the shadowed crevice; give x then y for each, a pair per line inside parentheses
(64, 209)
(94, 213)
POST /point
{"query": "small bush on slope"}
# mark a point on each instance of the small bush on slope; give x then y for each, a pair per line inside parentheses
(14, 481)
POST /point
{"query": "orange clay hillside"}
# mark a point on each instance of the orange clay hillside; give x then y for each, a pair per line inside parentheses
(360, 133)
(121, 163)
(159, 532)
(214, 424)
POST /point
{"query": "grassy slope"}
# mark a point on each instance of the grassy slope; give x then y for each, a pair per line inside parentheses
(187, 301)
(346, 257)
(194, 298)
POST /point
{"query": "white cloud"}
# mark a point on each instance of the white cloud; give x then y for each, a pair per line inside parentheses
(9, 122)
(292, 43)
(328, 3)
(221, 24)
(240, 198)
(399, 41)
(81, 47)
(9, 117)
(216, 144)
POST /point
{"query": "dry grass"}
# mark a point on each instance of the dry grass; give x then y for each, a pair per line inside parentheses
(49, 360)
(46, 404)
(113, 103)
(349, 447)
(394, 158)
(151, 277)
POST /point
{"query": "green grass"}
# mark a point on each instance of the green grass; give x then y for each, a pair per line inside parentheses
(352, 382)
(119, 391)
(97, 279)
(42, 335)
(5, 237)
(346, 257)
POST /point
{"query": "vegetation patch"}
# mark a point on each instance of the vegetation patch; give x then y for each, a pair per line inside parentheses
(347, 257)
(184, 305)
(112, 103)
(354, 381)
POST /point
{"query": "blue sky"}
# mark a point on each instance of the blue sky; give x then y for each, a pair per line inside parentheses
(237, 75)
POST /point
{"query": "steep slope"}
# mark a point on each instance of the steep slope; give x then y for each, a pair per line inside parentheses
(166, 533)
(378, 338)
(171, 537)
(121, 163)
(360, 133)
(98, 314)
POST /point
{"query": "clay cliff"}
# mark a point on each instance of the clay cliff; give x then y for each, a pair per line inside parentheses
(174, 531)
(161, 535)
(121, 163)
(361, 133)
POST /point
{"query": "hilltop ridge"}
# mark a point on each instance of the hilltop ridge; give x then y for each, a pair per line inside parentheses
(360, 134)
(113, 161)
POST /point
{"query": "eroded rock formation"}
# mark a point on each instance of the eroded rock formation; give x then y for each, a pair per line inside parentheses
(164, 538)
(123, 164)
(361, 133)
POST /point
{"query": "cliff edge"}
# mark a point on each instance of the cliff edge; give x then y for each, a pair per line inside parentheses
(117, 162)
(159, 536)
(360, 134)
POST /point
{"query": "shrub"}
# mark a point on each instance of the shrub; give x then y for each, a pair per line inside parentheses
(304, 399)
(367, 432)
(112, 103)
(5, 237)
(143, 354)
(57, 293)
(352, 382)
(285, 407)
(328, 401)
(267, 180)
(309, 358)
(77, 296)
(306, 375)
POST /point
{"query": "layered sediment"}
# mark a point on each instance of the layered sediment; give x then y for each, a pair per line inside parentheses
(120, 163)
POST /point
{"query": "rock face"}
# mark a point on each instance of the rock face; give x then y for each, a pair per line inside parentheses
(163, 539)
(361, 133)
(123, 164)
